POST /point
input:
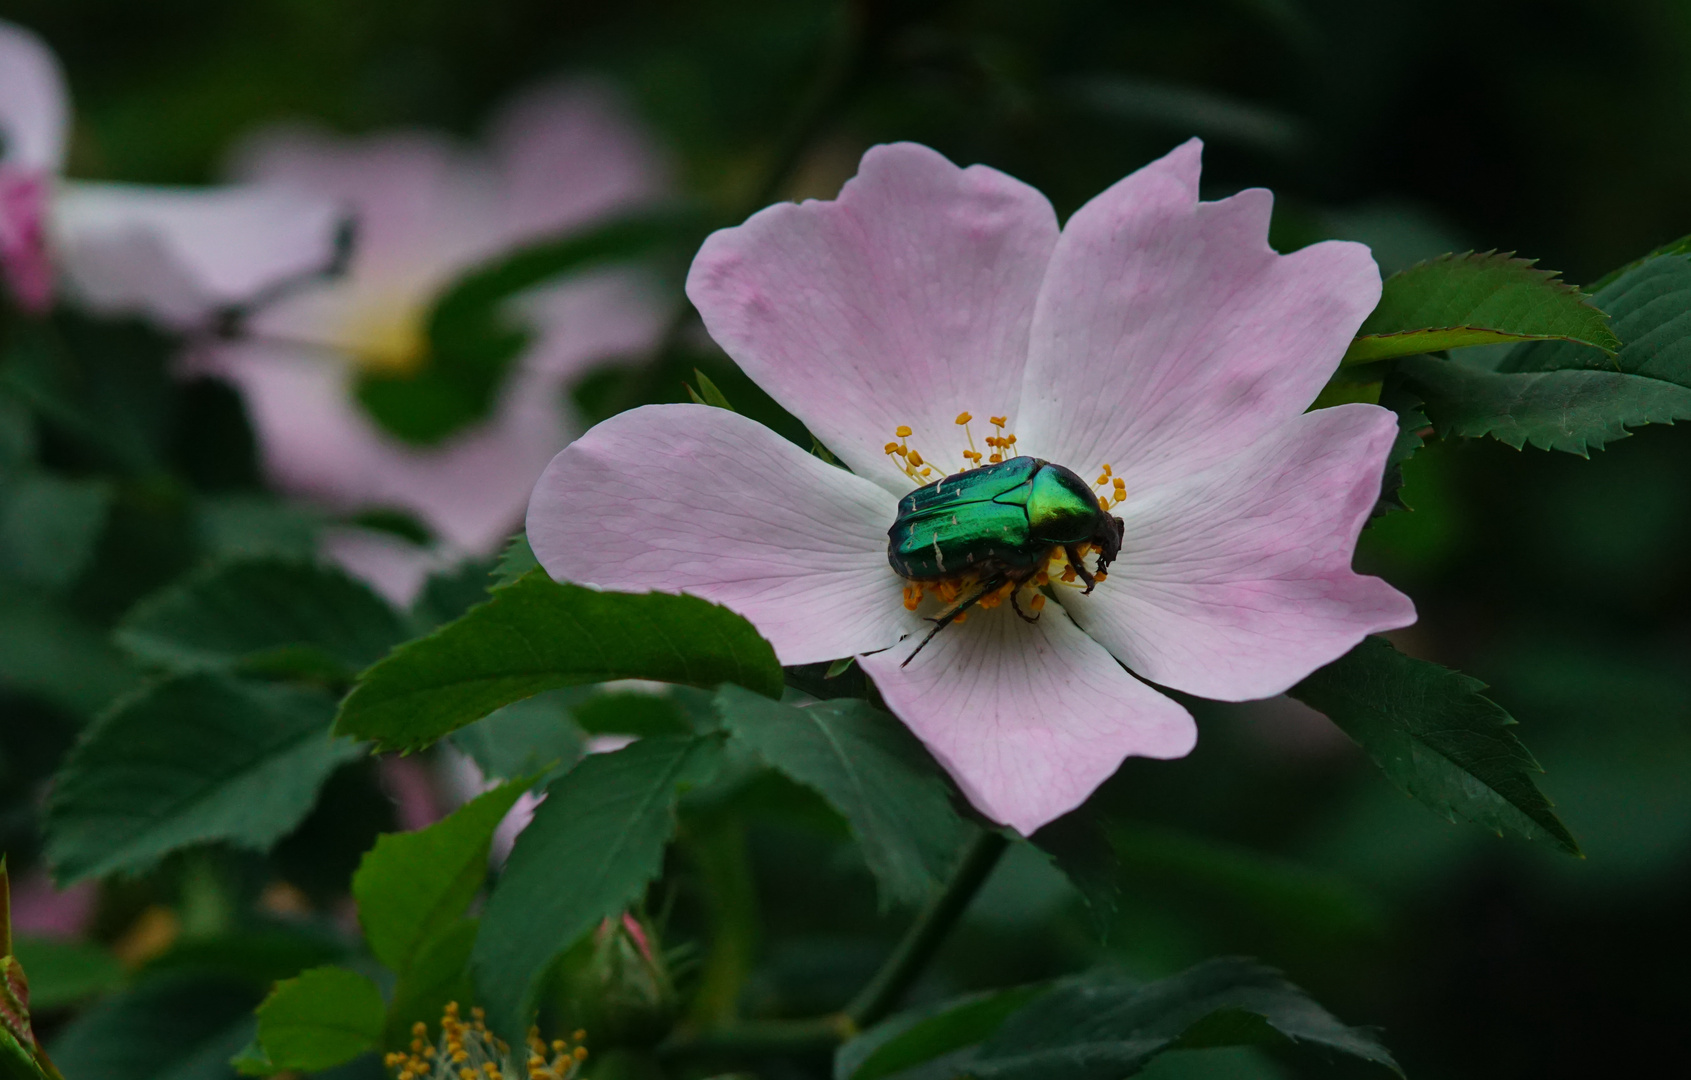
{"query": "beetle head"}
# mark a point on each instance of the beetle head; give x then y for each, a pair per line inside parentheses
(1108, 538)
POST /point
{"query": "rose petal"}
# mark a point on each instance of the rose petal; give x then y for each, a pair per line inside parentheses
(316, 440)
(903, 302)
(1028, 718)
(25, 263)
(687, 498)
(591, 318)
(1236, 582)
(1169, 335)
(178, 254)
(426, 208)
(570, 153)
(34, 104)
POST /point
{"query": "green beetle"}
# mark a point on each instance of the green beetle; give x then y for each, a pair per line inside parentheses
(997, 525)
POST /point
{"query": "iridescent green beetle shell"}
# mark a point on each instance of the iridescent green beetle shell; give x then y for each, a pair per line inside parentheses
(1001, 518)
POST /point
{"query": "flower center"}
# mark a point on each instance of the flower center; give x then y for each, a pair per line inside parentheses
(386, 338)
(1056, 572)
(468, 1051)
(1003, 527)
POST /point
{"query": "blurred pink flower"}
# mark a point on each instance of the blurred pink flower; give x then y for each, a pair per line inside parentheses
(40, 910)
(411, 786)
(1155, 333)
(428, 210)
(174, 254)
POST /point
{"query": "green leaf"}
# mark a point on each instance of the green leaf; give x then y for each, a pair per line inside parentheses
(1078, 844)
(1411, 423)
(1682, 246)
(588, 854)
(920, 1035)
(260, 613)
(1436, 737)
(448, 594)
(1571, 411)
(253, 1061)
(16, 1062)
(1562, 396)
(707, 393)
(49, 527)
(412, 885)
(242, 526)
(325, 1017)
(869, 768)
(473, 337)
(1476, 299)
(538, 635)
(439, 973)
(193, 760)
(47, 652)
(516, 560)
(1104, 1027)
(180, 1027)
(66, 972)
(526, 738)
(630, 712)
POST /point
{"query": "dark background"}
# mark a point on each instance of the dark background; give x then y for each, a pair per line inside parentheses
(1553, 129)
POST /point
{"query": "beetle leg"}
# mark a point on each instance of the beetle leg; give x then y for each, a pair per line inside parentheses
(945, 618)
(1080, 568)
(1016, 603)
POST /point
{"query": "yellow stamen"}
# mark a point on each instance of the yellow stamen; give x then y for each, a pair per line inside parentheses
(904, 431)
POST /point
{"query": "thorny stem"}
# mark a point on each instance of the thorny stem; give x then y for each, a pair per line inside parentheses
(908, 960)
(929, 931)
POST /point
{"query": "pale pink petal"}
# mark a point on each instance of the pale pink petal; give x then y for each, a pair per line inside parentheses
(590, 319)
(178, 254)
(1028, 718)
(427, 211)
(511, 826)
(410, 786)
(394, 567)
(569, 153)
(905, 301)
(316, 440)
(426, 208)
(34, 104)
(25, 263)
(39, 909)
(688, 498)
(1170, 336)
(1235, 583)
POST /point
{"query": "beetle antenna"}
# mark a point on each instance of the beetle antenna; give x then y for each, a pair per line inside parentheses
(945, 619)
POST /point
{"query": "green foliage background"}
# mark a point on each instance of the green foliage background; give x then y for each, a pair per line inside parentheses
(1553, 129)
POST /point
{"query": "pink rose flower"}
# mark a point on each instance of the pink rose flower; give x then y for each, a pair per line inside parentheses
(1155, 334)
(559, 159)
(177, 255)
